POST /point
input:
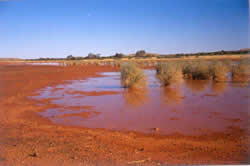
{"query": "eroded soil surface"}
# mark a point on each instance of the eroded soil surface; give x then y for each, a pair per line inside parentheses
(30, 139)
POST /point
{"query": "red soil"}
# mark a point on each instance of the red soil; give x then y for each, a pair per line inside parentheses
(28, 139)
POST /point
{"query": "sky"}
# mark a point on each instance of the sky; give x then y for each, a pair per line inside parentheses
(58, 28)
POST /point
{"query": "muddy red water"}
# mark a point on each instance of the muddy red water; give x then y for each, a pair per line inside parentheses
(193, 107)
(29, 139)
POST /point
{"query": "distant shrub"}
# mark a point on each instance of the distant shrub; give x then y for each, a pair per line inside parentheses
(93, 56)
(140, 53)
(119, 55)
(240, 71)
(170, 72)
(117, 63)
(70, 57)
(132, 76)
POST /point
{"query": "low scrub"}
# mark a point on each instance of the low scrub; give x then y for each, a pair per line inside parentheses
(219, 70)
(197, 70)
(240, 71)
(168, 73)
(132, 76)
(187, 68)
(201, 70)
(117, 63)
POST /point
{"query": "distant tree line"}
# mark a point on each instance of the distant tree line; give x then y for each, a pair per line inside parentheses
(142, 53)
(216, 53)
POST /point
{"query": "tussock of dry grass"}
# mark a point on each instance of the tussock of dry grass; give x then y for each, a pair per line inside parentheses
(187, 69)
(205, 70)
(201, 70)
(240, 71)
(168, 73)
(197, 70)
(132, 76)
(219, 70)
(117, 63)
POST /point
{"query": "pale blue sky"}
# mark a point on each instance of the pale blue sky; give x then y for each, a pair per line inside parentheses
(57, 28)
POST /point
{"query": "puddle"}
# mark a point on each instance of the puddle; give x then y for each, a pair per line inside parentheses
(193, 107)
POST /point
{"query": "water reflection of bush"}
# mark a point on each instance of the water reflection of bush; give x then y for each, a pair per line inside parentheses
(219, 87)
(172, 95)
(197, 85)
(135, 97)
(241, 81)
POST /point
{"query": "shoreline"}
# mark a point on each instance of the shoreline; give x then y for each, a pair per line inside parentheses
(29, 139)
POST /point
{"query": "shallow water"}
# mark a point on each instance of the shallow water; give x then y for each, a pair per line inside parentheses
(43, 63)
(193, 107)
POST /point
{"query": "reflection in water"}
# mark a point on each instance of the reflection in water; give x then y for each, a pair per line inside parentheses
(219, 87)
(164, 108)
(242, 82)
(135, 97)
(172, 95)
(197, 85)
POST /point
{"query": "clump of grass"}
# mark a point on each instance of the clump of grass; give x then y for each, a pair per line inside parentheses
(219, 70)
(240, 71)
(187, 69)
(117, 63)
(170, 72)
(197, 70)
(132, 76)
(228, 62)
(201, 70)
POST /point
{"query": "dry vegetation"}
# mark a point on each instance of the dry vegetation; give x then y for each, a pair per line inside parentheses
(217, 70)
(240, 71)
(168, 73)
(198, 70)
(132, 76)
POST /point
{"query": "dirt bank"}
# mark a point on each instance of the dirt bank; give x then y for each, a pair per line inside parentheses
(28, 139)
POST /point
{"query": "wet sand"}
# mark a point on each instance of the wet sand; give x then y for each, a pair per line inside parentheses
(30, 139)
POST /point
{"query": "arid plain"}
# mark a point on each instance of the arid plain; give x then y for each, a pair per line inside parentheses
(55, 115)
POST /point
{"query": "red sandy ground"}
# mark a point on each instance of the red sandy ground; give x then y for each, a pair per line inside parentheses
(28, 139)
